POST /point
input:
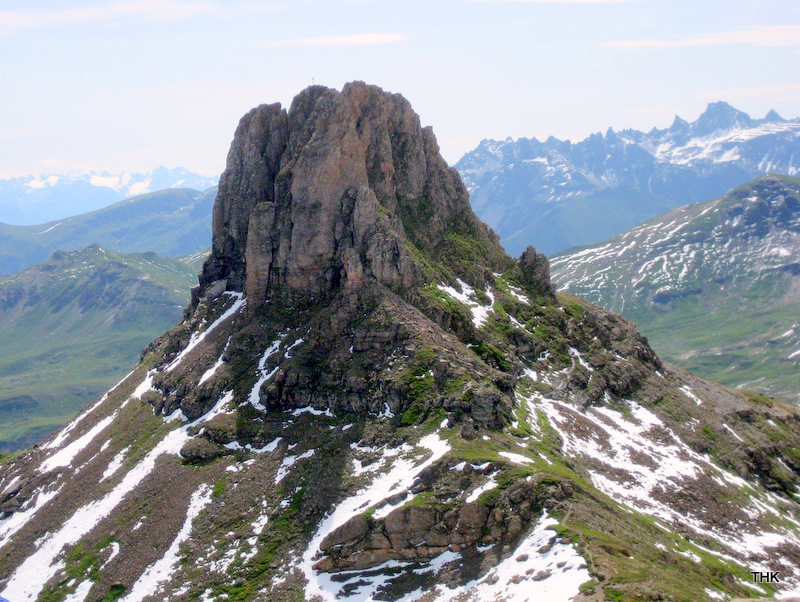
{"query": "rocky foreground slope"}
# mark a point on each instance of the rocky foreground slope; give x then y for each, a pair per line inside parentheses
(368, 399)
(715, 285)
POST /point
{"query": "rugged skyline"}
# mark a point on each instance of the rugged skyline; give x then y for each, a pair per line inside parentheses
(556, 194)
(368, 399)
(132, 84)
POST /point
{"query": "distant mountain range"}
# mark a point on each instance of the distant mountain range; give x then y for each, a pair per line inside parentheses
(73, 326)
(369, 400)
(168, 222)
(37, 199)
(556, 194)
(715, 285)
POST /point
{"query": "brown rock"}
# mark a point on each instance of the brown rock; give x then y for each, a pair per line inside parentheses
(354, 529)
(369, 558)
(322, 198)
(471, 521)
(535, 270)
(409, 527)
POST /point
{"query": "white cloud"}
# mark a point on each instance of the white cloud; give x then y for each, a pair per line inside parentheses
(151, 10)
(358, 39)
(163, 10)
(765, 36)
(562, 1)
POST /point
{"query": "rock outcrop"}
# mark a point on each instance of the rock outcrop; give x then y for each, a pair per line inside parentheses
(335, 215)
(327, 196)
(368, 399)
(418, 533)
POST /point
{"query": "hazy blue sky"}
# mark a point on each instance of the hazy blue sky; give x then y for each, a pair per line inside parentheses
(133, 84)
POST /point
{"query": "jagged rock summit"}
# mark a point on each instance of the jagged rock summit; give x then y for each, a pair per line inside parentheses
(326, 196)
(342, 208)
(564, 194)
(368, 400)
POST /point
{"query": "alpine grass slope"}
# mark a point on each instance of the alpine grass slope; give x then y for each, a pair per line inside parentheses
(73, 326)
(561, 194)
(715, 286)
(369, 400)
(168, 222)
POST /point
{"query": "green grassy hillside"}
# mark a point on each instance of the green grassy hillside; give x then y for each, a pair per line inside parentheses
(73, 326)
(168, 222)
(715, 286)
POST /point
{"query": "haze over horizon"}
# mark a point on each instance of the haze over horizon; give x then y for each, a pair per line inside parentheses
(133, 84)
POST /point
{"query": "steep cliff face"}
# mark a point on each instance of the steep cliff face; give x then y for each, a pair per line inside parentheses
(368, 400)
(342, 209)
(328, 196)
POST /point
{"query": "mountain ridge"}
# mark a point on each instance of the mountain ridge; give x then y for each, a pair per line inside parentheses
(549, 191)
(168, 222)
(368, 399)
(84, 317)
(713, 284)
(36, 199)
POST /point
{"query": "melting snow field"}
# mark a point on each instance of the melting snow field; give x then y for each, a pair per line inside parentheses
(639, 462)
(197, 337)
(466, 296)
(532, 573)
(399, 477)
(540, 569)
(263, 376)
(160, 571)
(31, 576)
(62, 436)
(9, 526)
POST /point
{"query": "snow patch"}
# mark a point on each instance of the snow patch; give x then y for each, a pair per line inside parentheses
(65, 456)
(690, 394)
(61, 437)
(10, 525)
(515, 458)
(312, 411)
(197, 337)
(487, 486)
(466, 296)
(288, 353)
(399, 477)
(160, 571)
(288, 462)
(211, 371)
(269, 447)
(50, 228)
(115, 548)
(528, 574)
(114, 465)
(80, 593)
(263, 376)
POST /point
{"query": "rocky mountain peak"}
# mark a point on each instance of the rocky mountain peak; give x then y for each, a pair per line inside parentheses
(773, 116)
(325, 197)
(720, 116)
(383, 405)
(678, 124)
(339, 223)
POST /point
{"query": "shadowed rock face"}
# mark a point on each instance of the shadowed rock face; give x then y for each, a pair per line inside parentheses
(325, 197)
